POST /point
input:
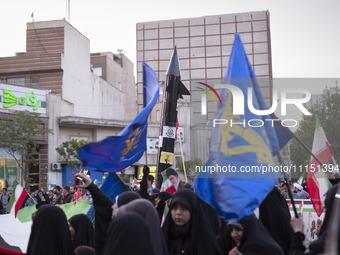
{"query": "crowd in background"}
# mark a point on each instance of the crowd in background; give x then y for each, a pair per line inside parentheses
(56, 196)
(151, 221)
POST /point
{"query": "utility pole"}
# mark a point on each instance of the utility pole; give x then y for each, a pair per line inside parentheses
(68, 17)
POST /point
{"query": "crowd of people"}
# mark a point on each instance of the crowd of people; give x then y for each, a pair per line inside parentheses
(57, 196)
(297, 191)
(5, 196)
(39, 197)
(149, 221)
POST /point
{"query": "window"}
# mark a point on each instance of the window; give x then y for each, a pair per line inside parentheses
(35, 82)
(79, 138)
(16, 81)
(33, 171)
(178, 161)
(157, 115)
(98, 71)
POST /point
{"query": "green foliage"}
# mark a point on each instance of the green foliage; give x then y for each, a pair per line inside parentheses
(328, 111)
(68, 151)
(190, 167)
(19, 135)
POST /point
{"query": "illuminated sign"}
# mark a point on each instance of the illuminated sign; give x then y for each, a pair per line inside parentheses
(152, 171)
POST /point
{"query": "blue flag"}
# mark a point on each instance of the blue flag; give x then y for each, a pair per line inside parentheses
(283, 134)
(239, 173)
(111, 187)
(115, 153)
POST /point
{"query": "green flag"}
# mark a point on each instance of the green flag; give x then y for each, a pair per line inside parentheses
(70, 209)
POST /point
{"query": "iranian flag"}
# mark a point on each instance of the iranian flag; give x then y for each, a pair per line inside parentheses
(17, 198)
(78, 196)
(166, 184)
(317, 182)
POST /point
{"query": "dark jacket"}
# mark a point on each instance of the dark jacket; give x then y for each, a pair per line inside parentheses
(67, 199)
(103, 208)
(57, 199)
(40, 202)
(275, 216)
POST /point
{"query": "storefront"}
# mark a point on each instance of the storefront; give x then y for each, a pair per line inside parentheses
(8, 170)
(20, 98)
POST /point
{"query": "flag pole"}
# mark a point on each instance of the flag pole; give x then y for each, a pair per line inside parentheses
(306, 148)
(30, 197)
(146, 157)
(180, 145)
(288, 188)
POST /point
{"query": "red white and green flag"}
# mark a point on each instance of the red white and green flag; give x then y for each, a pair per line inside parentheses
(167, 184)
(17, 198)
(78, 196)
(317, 182)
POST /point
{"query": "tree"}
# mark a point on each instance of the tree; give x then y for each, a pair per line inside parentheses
(18, 136)
(190, 167)
(328, 111)
(68, 151)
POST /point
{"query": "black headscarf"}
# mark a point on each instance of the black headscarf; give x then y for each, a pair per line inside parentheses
(196, 237)
(275, 216)
(128, 234)
(225, 241)
(50, 234)
(318, 245)
(127, 197)
(256, 240)
(145, 208)
(84, 233)
(40, 202)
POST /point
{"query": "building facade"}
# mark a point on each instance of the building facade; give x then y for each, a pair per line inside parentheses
(204, 45)
(88, 96)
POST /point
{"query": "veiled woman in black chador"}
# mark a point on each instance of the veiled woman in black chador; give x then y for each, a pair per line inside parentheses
(50, 233)
(128, 234)
(189, 227)
(81, 230)
(252, 238)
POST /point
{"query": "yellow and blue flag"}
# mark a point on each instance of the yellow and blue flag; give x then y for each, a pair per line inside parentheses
(116, 153)
(239, 173)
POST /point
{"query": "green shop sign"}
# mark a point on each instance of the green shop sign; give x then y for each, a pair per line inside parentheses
(11, 171)
(30, 100)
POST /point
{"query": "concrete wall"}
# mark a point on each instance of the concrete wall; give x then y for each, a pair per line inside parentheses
(117, 70)
(106, 101)
(91, 96)
(129, 88)
(76, 66)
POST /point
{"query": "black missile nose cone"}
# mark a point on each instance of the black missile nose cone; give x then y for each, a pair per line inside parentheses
(173, 68)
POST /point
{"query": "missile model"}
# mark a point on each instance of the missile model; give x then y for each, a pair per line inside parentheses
(173, 90)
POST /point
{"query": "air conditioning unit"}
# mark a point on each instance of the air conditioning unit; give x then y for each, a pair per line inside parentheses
(55, 166)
